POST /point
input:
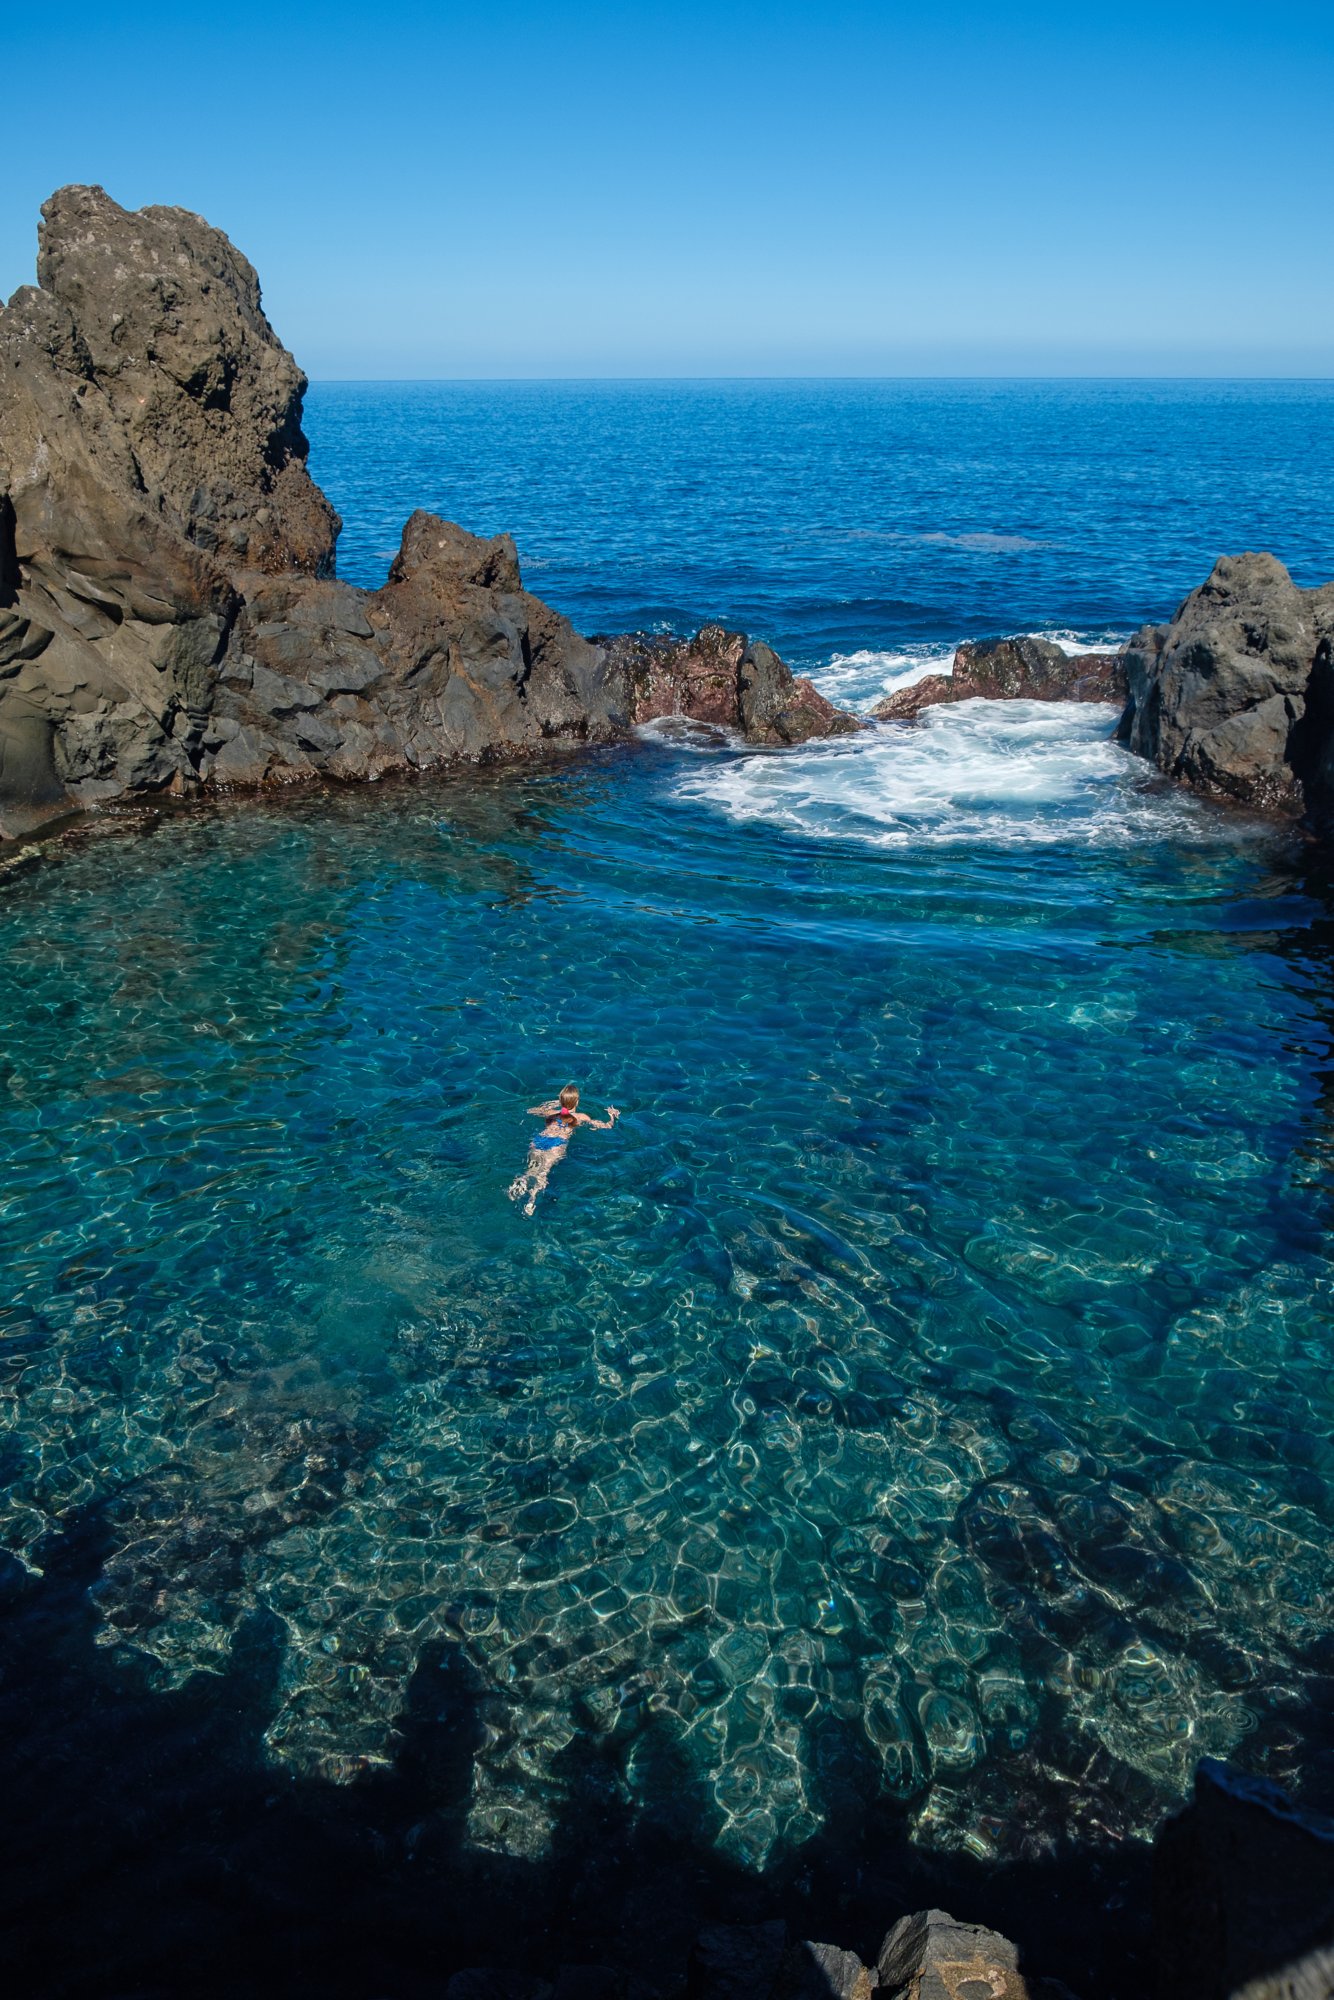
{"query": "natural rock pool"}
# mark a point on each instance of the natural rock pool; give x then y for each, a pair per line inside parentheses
(890, 1458)
(923, 1391)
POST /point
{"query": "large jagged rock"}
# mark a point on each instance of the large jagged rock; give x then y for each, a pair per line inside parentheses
(1234, 695)
(452, 659)
(1243, 1895)
(1024, 668)
(169, 615)
(150, 434)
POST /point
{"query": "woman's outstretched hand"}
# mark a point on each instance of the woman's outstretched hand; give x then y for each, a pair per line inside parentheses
(612, 1113)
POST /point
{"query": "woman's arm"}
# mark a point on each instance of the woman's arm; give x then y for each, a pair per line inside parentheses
(600, 1124)
(543, 1110)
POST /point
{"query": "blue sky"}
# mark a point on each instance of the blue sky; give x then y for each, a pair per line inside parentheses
(730, 189)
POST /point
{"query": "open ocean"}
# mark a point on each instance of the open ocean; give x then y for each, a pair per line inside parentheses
(895, 1454)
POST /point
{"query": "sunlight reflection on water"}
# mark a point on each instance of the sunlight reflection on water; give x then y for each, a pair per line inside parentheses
(926, 1386)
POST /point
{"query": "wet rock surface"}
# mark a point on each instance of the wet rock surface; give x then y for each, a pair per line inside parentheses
(1235, 696)
(1020, 669)
(826, 1972)
(169, 615)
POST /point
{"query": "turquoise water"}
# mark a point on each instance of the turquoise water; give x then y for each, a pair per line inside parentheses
(940, 1342)
(922, 1395)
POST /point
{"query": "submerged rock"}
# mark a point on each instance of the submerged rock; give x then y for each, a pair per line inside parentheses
(169, 614)
(1235, 696)
(1019, 669)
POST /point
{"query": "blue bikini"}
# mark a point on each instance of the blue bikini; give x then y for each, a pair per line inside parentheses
(543, 1140)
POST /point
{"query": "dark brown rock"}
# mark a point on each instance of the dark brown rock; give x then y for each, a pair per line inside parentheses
(778, 707)
(1019, 669)
(1243, 1895)
(169, 616)
(149, 436)
(478, 667)
(719, 677)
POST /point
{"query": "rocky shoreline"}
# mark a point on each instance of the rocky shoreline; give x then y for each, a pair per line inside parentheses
(1233, 697)
(170, 619)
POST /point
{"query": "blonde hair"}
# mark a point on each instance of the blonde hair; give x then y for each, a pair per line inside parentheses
(570, 1095)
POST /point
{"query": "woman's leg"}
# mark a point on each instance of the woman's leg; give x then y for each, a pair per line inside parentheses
(519, 1184)
(540, 1174)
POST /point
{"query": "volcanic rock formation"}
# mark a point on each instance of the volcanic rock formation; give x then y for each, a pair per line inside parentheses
(1236, 695)
(169, 613)
(1020, 669)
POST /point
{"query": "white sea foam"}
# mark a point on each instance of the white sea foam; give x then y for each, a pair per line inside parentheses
(1003, 773)
(859, 680)
(682, 732)
(1079, 642)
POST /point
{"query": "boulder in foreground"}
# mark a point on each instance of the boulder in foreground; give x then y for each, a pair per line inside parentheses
(928, 1956)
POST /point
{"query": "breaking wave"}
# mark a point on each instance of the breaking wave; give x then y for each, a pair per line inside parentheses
(1005, 773)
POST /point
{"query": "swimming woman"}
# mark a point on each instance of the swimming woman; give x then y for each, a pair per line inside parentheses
(562, 1117)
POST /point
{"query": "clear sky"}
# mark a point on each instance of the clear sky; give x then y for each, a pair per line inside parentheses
(735, 188)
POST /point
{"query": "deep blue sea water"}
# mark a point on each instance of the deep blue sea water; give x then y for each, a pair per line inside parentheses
(921, 1400)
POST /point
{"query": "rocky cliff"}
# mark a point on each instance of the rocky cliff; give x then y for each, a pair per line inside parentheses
(169, 613)
(1235, 696)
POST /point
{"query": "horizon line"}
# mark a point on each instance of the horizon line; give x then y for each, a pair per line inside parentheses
(367, 381)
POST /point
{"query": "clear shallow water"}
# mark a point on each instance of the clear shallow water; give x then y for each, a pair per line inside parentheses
(923, 1394)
